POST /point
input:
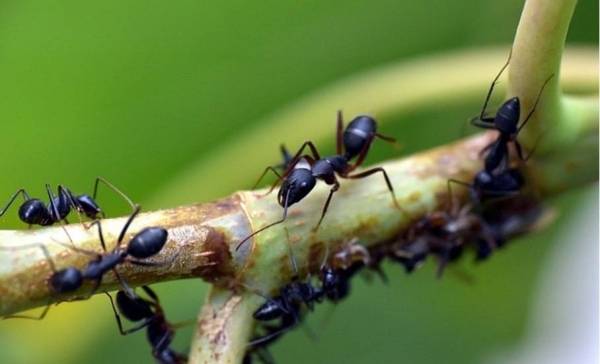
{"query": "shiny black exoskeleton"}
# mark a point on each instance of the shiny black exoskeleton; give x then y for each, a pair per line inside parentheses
(145, 244)
(34, 211)
(506, 122)
(303, 171)
(148, 313)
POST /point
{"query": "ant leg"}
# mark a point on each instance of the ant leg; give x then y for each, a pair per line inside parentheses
(265, 356)
(154, 264)
(285, 210)
(339, 136)
(291, 253)
(37, 318)
(333, 189)
(362, 155)
(115, 190)
(100, 234)
(489, 94)
(136, 210)
(151, 293)
(386, 138)
(56, 213)
(285, 326)
(535, 104)
(126, 288)
(78, 250)
(285, 155)
(387, 181)
(63, 191)
(269, 168)
(120, 323)
(13, 198)
(520, 149)
(483, 122)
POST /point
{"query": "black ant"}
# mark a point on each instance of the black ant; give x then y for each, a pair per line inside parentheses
(33, 211)
(486, 185)
(506, 122)
(304, 170)
(146, 243)
(148, 313)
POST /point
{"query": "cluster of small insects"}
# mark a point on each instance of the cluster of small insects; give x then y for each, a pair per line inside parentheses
(145, 312)
(496, 211)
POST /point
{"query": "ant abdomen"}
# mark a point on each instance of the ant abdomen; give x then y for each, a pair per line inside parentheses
(147, 242)
(357, 134)
(133, 308)
(34, 212)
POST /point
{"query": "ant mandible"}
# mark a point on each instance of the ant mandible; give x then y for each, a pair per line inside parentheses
(145, 244)
(150, 315)
(303, 171)
(506, 122)
(34, 212)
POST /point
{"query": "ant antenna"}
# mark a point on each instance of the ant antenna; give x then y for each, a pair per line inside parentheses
(12, 199)
(535, 104)
(285, 210)
(489, 94)
(114, 189)
(291, 252)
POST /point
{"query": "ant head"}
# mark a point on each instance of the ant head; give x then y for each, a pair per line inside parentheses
(296, 186)
(66, 280)
(147, 242)
(88, 206)
(134, 308)
(507, 117)
(358, 132)
(34, 212)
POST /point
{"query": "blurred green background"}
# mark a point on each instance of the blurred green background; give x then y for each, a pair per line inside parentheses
(139, 91)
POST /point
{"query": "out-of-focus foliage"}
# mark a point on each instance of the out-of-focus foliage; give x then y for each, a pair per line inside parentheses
(137, 91)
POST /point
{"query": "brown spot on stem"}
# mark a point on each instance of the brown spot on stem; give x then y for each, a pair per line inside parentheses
(219, 262)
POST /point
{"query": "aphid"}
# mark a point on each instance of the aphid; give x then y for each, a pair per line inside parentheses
(34, 211)
(444, 234)
(145, 244)
(303, 171)
(148, 313)
(506, 122)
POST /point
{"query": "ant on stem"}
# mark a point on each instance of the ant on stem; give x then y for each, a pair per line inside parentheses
(149, 314)
(303, 171)
(506, 122)
(34, 211)
(145, 244)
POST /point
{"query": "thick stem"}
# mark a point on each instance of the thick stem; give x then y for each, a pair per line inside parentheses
(537, 54)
